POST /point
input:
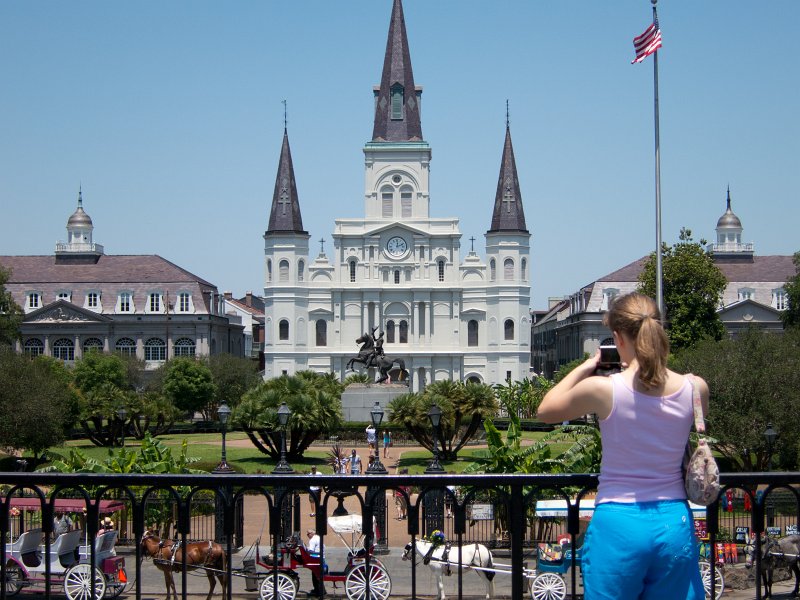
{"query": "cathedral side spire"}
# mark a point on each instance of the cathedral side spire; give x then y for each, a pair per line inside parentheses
(285, 213)
(397, 110)
(508, 214)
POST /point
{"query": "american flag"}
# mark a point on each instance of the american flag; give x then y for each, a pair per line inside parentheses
(647, 43)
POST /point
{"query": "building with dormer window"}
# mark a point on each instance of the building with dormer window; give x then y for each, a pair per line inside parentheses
(81, 300)
(396, 267)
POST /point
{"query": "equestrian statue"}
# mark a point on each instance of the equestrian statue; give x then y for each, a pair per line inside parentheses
(371, 354)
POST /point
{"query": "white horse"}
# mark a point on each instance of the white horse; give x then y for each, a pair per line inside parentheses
(472, 555)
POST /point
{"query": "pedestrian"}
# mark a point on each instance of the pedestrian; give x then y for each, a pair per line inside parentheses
(355, 463)
(313, 493)
(400, 498)
(640, 542)
(371, 436)
(387, 443)
(61, 524)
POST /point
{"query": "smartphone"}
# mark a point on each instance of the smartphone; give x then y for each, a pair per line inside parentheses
(609, 361)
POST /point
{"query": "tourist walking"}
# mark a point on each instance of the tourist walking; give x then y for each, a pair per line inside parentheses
(355, 463)
(387, 443)
(640, 542)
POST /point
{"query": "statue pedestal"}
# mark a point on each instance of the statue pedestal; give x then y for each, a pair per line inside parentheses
(359, 398)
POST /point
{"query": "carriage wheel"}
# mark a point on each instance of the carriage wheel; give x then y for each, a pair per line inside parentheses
(287, 587)
(78, 582)
(548, 586)
(14, 578)
(380, 585)
(719, 581)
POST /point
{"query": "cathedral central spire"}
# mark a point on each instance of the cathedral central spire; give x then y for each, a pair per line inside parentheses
(397, 110)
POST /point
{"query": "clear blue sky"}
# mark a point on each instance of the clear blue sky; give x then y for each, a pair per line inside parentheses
(170, 115)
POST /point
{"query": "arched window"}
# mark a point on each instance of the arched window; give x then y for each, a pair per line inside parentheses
(508, 328)
(283, 271)
(322, 332)
(352, 271)
(64, 349)
(269, 270)
(125, 346)
(283, 330)
(441, 269)
(390, 332)
(301, 268)
(34, 347)
(155, 350)
(387, 203)
(406, 197)
(508, 269)
(472, 333)
(397, 275)
(524, 270)
(404, 332)
(492, 270)
(185, 347)
(92, 344)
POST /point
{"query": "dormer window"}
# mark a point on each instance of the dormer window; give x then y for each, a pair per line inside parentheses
(397, 101)
(34, 300)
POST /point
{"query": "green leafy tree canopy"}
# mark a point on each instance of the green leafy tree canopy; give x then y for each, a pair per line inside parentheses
(190, 386)
(791, 316)
(10, 312)
(692, 288)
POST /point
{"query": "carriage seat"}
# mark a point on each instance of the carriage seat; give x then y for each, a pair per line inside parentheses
(63, 551)
(312, 561)
(26, 548)
(104, 547)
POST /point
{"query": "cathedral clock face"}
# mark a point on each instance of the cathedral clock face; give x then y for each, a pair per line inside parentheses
(396, 246)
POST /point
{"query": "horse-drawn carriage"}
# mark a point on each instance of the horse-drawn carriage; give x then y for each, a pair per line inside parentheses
(73, 562)
(282, 579)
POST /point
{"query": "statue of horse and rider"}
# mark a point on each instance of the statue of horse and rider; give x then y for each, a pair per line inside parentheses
(371, 355)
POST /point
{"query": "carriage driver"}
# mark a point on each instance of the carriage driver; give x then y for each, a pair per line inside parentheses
(313, 547)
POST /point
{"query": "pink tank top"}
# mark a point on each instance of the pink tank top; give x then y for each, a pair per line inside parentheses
(644, 438)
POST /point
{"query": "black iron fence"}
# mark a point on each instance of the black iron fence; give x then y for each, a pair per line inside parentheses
(514, 514)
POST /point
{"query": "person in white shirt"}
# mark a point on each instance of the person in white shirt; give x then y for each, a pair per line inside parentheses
(371, 436)
(355, 463)
(313, 546)
(313, 492)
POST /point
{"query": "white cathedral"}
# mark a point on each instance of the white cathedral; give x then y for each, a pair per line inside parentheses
(396, 267)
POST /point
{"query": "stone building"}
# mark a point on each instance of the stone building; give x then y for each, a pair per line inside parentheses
(755, 295)
(81, 299)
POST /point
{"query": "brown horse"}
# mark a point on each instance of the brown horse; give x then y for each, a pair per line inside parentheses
(168, 556)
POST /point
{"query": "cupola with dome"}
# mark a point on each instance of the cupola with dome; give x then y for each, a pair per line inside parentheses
(79, 246)
(729, 237)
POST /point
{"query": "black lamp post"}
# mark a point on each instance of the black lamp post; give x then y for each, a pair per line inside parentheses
(770, 435)
(122, 413)
(283, 467)
(376, 414)
(224, 413)
(435, 416)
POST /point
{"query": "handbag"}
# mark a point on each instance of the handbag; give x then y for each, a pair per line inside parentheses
(701, 473)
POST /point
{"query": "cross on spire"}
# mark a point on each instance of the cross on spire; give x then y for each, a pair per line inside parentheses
(283, 200)
(322, 245)
(472, 248)
(508, 198)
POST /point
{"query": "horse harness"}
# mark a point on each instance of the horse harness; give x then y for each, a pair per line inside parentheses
(173, 550)
(444, 560)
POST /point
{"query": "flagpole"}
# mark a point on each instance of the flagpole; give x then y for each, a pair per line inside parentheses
(659, 272)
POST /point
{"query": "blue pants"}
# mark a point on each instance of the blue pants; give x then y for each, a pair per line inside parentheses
(641, 551)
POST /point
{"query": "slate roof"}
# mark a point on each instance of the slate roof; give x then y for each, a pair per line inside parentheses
(397, 69)
(761, 268)
(284, 215)
(508, 214)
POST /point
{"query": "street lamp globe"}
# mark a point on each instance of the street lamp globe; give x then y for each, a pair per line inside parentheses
(376, 414)
(435, 415)
(283, 414)
(224, 413)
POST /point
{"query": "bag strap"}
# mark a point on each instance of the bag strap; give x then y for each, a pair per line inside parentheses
(697, 405)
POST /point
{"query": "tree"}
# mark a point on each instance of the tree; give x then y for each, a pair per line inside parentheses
(791, 316)
(188, 383)
(37, 404)
(314, 399)
(232, 376)
(96, 369)
(10, 312)
(464, 407)
(693, 287)
(522, 398)
(754, 380)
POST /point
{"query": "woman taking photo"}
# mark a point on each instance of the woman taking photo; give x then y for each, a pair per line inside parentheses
(640, 542)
